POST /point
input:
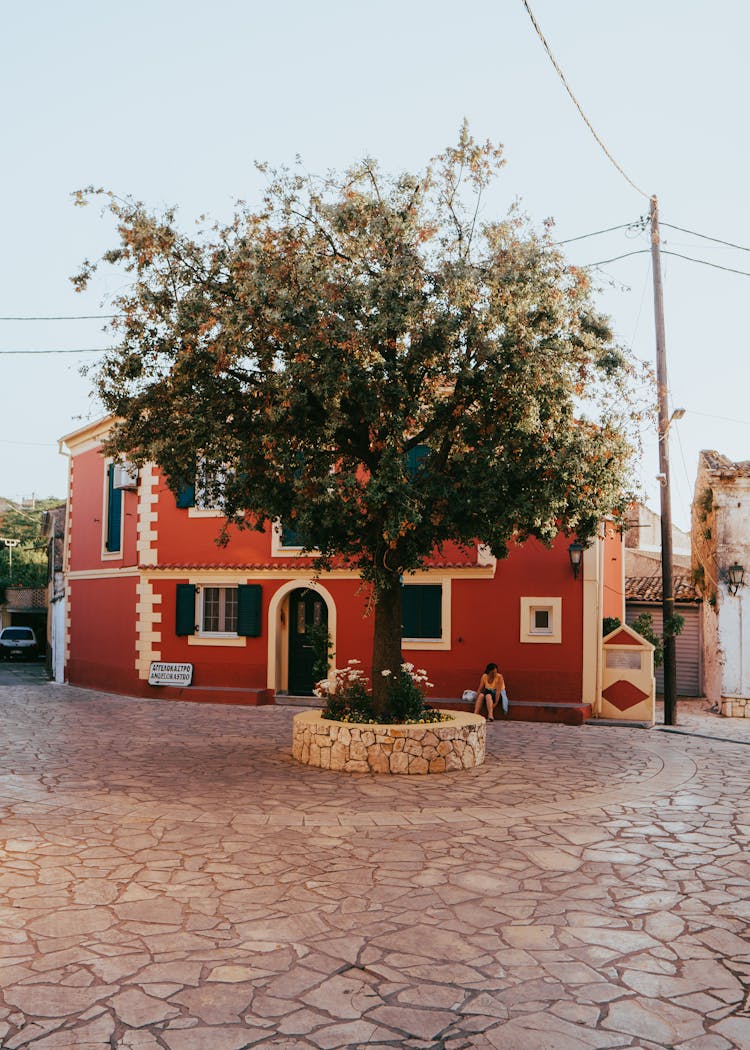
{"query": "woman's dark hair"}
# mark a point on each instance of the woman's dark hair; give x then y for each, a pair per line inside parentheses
(490, 667)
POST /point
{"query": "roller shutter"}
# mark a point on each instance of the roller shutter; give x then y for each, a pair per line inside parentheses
(688, 646)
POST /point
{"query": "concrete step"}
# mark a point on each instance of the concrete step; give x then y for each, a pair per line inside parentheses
(298, 701)
(551, 711)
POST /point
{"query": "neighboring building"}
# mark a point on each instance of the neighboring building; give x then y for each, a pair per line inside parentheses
(26, 607)
(146, 582)
(643, 544)
(721, 557)
(643, 593)
(53, 530)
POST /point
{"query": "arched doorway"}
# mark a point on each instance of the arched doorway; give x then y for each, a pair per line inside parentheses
(308, 624)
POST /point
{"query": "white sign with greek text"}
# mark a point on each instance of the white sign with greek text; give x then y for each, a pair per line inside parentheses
(170, 674)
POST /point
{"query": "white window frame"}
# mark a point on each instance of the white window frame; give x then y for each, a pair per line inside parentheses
(278, 550)
(530, 633)
(201, 597)
(201, 509)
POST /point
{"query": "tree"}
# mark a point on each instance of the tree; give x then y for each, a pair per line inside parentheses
(28, 558)
(365, 360)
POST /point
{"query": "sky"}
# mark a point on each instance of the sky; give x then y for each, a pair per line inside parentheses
(173, 101)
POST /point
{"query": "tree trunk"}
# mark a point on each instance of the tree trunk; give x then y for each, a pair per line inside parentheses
(386, 645)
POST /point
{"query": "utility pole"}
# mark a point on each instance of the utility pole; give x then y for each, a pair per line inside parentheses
(667, 585)
(10, 544)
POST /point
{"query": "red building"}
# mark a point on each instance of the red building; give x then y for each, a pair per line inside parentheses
(147, 582)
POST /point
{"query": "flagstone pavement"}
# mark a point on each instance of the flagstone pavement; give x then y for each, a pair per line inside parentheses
(171, 879)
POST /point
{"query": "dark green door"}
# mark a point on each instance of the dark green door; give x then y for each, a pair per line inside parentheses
(307, 610)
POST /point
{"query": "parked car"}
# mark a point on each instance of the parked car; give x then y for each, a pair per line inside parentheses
(18, 643)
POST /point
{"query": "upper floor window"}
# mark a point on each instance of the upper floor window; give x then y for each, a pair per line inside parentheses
(112, 513)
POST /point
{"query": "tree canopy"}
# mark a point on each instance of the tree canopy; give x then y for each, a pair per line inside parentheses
(25, 564)
(369, 360)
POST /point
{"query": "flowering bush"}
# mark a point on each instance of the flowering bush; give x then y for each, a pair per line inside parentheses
(347, 698)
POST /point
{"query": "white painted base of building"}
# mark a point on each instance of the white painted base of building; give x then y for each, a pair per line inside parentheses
(436, 747)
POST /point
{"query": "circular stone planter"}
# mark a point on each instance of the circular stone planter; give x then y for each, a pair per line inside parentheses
(435, 747)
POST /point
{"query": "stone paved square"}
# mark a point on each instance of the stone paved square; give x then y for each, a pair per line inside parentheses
(172, 879)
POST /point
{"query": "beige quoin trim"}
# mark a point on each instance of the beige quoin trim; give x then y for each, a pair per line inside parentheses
(147, 627)
(278, 633)
(148, 515)
(593, 566)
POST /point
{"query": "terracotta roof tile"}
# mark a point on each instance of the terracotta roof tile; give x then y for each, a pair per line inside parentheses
(281, 566)
(718, 463)
(648, 588)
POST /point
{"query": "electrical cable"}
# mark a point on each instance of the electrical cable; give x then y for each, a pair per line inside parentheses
(67, 317)
(91, 350)
(664, 251)
(705, 262)
(596, 233)
(716, 240)
(603, 262)
(36, 444)
(577, 104)
(723, 419)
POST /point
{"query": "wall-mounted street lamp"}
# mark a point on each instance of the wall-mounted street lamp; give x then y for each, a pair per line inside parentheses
(575, 553)
(735, 577)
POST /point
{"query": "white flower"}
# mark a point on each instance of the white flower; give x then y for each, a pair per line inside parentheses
(354, 661)
(386, 673)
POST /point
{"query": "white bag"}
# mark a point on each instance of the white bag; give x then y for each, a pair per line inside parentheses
(469, 695)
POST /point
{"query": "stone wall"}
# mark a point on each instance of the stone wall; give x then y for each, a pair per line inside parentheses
(436, 747)
(735, 707)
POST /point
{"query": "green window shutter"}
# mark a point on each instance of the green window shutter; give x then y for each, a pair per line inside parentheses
(248, 609)
(415, 459)
(114, 512)
(422, 611)
(432, 612)
(185, 495)
(185, 618)
(409, 612)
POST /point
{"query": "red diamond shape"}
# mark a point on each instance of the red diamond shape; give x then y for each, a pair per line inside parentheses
(623, 695)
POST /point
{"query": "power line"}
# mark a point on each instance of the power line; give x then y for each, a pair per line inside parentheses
(577, 104)
(596, 233)
(723, 419)
(36, 444)
(88, 350)
(603, 262)
(664, 251)
(716, 240)
(67, 317)
(705, 262)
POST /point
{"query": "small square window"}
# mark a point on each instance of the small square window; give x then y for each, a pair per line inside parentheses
(541, 620)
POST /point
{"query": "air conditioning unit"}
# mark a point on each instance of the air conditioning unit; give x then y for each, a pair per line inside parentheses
(125, 476)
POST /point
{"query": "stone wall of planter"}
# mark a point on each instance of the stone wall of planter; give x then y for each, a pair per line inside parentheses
(435, 747)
